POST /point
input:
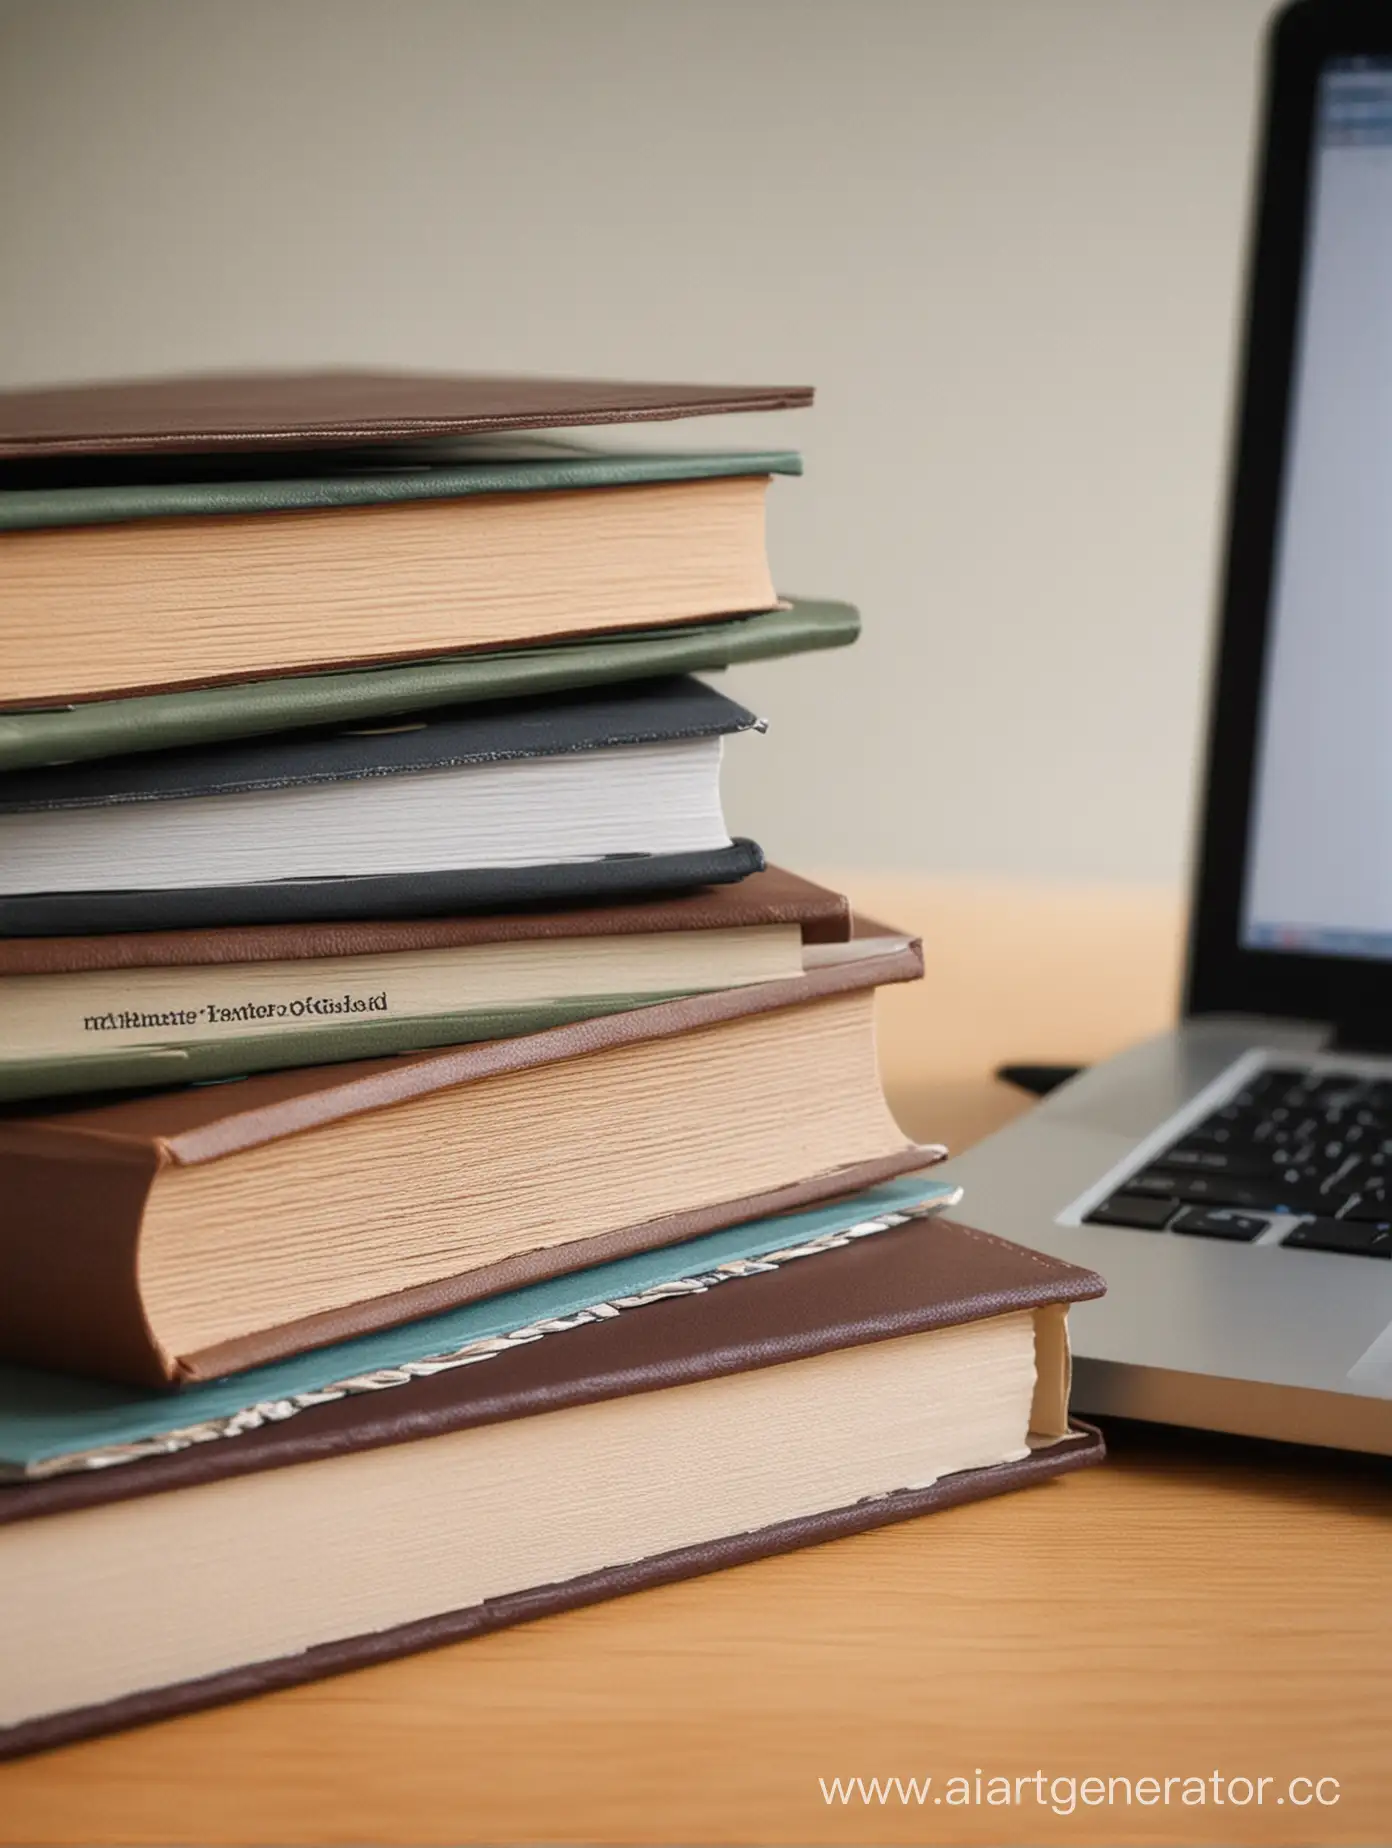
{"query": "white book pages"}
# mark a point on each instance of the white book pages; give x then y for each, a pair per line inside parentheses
(583, 805)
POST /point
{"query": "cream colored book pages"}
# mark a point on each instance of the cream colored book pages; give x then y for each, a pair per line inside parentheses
(358, 1543)
(159, 602)
(524, 1161)
(1054, 1376)
(59, 1016)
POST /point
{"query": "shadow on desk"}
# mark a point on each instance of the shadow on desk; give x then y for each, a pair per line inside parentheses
(1252, 1465)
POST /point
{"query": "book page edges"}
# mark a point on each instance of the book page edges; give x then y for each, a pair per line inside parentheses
(415, 1075)
(377, 1646)
(333, 1092)
(301, 560)
(263, 1346)
(1053, 1363)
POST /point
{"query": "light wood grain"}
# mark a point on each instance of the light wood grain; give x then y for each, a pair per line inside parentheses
(1196, 1606)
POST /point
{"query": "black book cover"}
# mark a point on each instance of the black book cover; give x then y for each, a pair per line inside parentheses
(638, 712)
(635, 714)
(394, 895)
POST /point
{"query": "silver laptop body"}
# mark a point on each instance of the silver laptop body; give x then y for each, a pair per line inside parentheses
(1232, 1180)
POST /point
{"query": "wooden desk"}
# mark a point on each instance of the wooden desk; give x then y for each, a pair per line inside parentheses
(1194, 1607)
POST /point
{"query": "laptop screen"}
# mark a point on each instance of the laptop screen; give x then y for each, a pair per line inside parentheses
(1319, 852)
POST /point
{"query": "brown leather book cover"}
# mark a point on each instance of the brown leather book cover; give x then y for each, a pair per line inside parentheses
(205, 413)
(769, 897)
(77, 1182)
(905, 1281)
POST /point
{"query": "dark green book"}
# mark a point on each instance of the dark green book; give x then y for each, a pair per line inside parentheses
(114, 490)
(207, 715)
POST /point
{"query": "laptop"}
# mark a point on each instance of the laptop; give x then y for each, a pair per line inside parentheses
(1232, 1180)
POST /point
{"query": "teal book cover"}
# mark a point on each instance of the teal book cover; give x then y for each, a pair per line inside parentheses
(51, 1422)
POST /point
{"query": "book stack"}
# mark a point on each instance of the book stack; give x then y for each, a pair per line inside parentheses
(446, 1176)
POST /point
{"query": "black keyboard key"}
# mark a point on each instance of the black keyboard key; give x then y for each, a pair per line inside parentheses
(1237, 1118)
(1219, 1222)
(1351, 1236)
(1211, 1134)
(1276, 1198)
(1157, 1186)
(1265, 1086)
(1264, 1194)
(1134, 1210)
(1198, 1159)
(1304, 1182)
(1162, 1186)
(1368, 1207)
(1308, 1144)
(1335, 1091)
(1344, 1177)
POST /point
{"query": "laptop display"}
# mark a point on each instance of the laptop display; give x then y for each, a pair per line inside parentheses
(1319, 850)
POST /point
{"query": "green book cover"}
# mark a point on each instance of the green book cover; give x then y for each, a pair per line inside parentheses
(103, 492)
(206, 715)
(141, 1067)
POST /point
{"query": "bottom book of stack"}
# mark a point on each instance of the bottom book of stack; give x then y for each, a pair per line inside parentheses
(758, 1389)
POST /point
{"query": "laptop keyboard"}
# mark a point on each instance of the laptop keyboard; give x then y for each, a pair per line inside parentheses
(1316, 1144)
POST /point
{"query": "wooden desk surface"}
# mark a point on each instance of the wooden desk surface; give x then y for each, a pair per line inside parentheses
(1195, 1607)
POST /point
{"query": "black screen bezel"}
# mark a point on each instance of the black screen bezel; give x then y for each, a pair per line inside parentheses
(1222, 975)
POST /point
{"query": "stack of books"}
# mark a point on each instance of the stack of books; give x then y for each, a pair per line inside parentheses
(445, 1175)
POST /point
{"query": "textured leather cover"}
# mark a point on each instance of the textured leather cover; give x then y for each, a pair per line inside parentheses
(107, 492)
(905, 1281)
(206, 715)
(396, 895)
(207, 412)
(449, 738)
(769, 897)
(75, 1183)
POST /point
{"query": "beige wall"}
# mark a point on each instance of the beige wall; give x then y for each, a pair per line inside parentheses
(1001, 236)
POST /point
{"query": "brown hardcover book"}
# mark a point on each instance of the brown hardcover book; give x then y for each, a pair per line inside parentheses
(143, 587)
(154, 1008)
(765, 899)
(206, 413)
(199, 1232)
(913, 1369)
(58, 993)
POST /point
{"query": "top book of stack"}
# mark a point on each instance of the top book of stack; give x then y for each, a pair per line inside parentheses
(354, 519)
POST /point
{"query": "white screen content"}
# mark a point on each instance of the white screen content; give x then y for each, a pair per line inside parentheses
(1319, 861)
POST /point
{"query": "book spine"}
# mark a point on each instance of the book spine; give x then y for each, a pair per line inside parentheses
(69, 1237)
(332, 1042)
(78, 1025)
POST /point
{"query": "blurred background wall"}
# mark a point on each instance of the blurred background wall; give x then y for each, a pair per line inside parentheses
(1002, 237)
